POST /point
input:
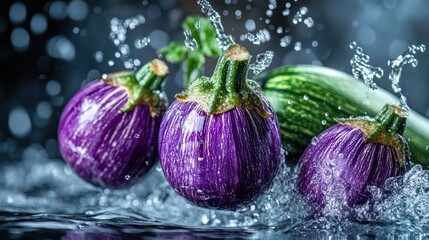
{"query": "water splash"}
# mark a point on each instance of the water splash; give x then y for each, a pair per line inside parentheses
(190, 42)
(408, 57)
(261, 36)
(141, 42)
(263, 60)
(362, 68)
(300, 17)
(224, 40)
(118, 35)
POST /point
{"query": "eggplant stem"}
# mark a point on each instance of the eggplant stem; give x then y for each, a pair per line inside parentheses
(143, 87)
(228, 87)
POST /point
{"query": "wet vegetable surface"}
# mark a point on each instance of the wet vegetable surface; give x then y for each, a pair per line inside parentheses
(345, 159)
(219, 142)
(109, 134)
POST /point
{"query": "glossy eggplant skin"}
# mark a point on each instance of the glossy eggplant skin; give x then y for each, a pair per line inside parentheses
(103, 146)
(339, 165)
(219, 161)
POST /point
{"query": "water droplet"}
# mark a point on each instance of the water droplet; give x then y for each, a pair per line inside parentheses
(362, 68)
(44, 110)
(189, 41)
(340, 107)
(200, 159)
(58, 10)
(136, 135)
(298, 46)
(261, 36)
(285, 41)
(198, 25)
(314, 141)
(19, 122)
(17, 12)
(111, 62)
(326, 114)
(20, 39)
(53, 88)
(62, 48)
(306, 97)
(324, 122)
(142, 42)
(77, 10)
(263, 60)
(250, 25)
(289, 101)
(408, 57)
(38, 24)
(127, 177)
(223, 39)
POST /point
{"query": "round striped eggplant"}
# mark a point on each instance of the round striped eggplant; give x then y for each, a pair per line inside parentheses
(353, 154)
(108, 132)
(219, 142)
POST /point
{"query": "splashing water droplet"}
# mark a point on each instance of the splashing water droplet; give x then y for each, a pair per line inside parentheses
(141, 42)
(223, 39)
(285, 41)
(298, 46)
(263, 60)
(261, 36)
(408, 57)
(362, 68)
(189, 41)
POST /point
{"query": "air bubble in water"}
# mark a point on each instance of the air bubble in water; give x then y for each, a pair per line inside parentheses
(299, 15)
(408, 57)
(362, 68)
(263, 60)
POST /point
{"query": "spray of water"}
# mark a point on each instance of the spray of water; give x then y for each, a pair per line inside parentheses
(263, 60)
(408, 57)
(224, 40)
(362, 68)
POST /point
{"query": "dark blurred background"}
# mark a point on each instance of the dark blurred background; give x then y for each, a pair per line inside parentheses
(50, 49)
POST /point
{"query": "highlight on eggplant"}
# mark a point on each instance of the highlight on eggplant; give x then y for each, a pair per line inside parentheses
(219, 141)
(108, 132)
(353, 154)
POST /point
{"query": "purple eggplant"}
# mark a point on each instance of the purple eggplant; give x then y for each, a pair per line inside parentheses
(353, 154)
(219, 142)
(108, 132)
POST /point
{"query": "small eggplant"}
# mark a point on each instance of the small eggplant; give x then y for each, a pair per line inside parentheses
(108, 132)
(219, 142)
(353, 154)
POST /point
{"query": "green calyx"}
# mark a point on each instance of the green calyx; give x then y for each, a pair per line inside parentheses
(143, 86)
(228, 87)
(385, 128)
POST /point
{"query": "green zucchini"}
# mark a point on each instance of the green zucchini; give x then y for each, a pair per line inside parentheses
(307, 99)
